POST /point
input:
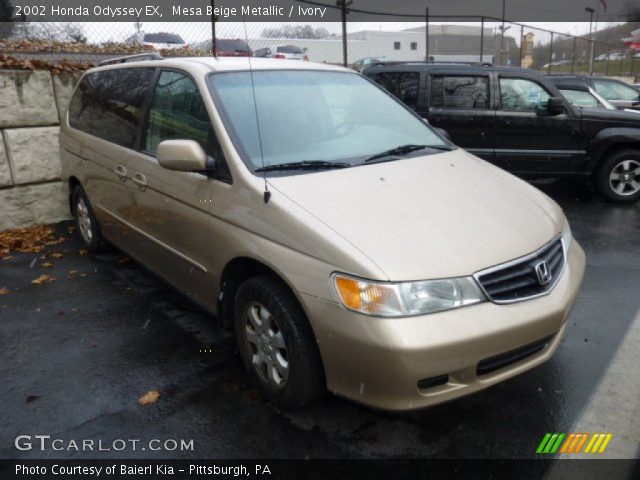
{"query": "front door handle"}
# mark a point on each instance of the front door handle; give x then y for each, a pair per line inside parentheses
(140, 180)
(121, 172)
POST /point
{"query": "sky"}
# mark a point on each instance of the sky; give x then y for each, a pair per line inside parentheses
(199, 31)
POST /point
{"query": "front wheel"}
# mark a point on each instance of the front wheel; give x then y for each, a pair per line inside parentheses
(618, 178)
(276, 343)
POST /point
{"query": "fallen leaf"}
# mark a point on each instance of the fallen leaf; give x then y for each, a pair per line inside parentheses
(7, 258)
(73, 272)
(30, 239)
(57, 255)
(47, 265)
(83, 251)
(149, 398)
(43, 279)
(83, 274)
(4, 291)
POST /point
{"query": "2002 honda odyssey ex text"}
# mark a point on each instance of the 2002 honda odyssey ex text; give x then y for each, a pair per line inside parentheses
(348, 245)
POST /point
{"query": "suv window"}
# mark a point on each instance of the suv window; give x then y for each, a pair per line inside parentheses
(109, 104)
(404, 85)
(459, 92)
(579, 98)
(611, 90)
(520, 94)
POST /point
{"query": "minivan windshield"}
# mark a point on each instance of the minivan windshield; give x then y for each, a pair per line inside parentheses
(314, 117)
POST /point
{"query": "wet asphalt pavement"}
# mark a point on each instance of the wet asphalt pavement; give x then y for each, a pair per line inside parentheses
(78, 352)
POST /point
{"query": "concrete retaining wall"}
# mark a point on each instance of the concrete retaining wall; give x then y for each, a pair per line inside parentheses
(31, 105)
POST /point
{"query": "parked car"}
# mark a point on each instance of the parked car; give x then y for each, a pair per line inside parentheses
(363, 63)
(616, 92)
(601, 58)
(158, 41)
(583, 96)
(528, 129)
(283, 52)
(226, 47)
(468, 280)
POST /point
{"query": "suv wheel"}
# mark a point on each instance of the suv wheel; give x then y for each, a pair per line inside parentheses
(276, 343)
(618, 178)
(88, 226)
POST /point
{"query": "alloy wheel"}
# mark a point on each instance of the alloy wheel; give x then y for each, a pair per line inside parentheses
(84, 220)
(267, 345)
(625, 177)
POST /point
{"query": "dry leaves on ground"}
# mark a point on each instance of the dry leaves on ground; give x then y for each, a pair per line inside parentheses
(47, 265)
(43, 279)
(148, 398)
(83, 251)
(28, 240)
(4, 291)
(57, 255)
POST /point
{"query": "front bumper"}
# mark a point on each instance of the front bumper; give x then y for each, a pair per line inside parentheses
(380, 361)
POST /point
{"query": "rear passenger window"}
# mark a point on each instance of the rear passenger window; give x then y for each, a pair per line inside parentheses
(459, 92)
(404, 85)
(109, 104)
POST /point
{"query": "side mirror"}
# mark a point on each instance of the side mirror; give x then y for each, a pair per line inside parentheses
(182, 155)
(555, 106)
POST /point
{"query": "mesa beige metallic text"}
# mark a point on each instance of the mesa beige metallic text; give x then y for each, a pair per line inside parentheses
(349, 246)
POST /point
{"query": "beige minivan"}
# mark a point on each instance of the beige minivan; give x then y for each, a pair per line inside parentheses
(349, 246)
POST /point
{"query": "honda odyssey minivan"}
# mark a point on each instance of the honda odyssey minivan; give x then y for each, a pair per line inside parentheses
(348, 246)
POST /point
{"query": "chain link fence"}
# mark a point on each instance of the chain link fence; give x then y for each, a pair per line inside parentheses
(413, 38)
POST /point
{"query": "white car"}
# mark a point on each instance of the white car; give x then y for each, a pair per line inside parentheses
(158, 41)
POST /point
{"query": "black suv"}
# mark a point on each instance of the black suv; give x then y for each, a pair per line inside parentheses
(518, 120)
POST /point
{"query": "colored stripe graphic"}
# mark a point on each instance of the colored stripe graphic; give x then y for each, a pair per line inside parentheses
(573, 443)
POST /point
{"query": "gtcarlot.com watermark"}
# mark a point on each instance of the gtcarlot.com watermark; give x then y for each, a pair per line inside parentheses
(45, 443)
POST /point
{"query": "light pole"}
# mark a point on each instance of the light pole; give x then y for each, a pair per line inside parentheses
(591, 51)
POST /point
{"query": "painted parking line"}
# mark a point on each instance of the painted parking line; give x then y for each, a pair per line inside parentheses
(609, 426)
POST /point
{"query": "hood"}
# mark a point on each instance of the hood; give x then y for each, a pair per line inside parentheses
(435, 216)
(616, 117)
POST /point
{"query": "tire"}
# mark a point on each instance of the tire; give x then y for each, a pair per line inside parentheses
(86, 223)
(276, 343)
(618, 178)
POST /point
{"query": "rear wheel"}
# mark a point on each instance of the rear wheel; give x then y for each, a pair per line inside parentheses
(618, 178)
(86, 222)
(276, 343)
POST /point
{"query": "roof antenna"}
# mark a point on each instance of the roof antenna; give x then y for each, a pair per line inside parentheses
(267, 193)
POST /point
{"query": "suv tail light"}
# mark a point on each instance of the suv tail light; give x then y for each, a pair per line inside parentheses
(147, 46)
(306, 58)
(280, 55)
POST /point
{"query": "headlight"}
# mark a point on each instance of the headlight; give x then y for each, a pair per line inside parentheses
(383, 299)
(567, 236)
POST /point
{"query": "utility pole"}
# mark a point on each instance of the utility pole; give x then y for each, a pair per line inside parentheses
(343, 4)
(591, 11)
(214, 49)
(426, 36)
(504, 2)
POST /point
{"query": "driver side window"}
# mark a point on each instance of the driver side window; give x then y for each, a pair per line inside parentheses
(521, 95)
(177, 112)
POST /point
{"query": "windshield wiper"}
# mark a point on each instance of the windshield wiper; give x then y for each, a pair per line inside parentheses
(304, 165)
(404, 149)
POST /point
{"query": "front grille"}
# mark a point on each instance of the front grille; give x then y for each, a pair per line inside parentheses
(497, 362)
(524, 278)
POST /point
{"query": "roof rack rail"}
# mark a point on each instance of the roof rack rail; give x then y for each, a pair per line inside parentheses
(132, 58)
